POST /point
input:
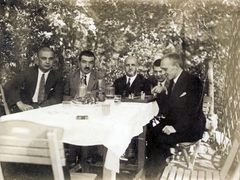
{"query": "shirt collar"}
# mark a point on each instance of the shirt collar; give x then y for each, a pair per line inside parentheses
(87, 76)
(162, 83)
(131, 78)
(176, 78)
(41, 73)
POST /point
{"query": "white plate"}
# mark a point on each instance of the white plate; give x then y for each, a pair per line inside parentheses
(87, 105)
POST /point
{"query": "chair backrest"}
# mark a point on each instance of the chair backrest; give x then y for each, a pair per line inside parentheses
(7, 111)
(233, 156)
(29, 142)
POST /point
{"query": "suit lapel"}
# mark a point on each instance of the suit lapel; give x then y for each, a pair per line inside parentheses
(50, 81)
(33, 79)
(76, 79)
(181, 80)
(135, 82)
(92, 80)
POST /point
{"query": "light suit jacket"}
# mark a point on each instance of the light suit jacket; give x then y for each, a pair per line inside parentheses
(71, 84)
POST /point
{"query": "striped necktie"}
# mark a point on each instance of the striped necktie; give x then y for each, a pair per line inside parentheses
(41, 92)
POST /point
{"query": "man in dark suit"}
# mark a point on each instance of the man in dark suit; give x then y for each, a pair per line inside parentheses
(131, 82)
(23, 91)
(184, 120)
(94, 79)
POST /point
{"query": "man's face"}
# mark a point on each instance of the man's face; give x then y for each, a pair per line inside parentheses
(45, 60)
(159, 73)
(130, 66)
(169, 68)
(86, 64)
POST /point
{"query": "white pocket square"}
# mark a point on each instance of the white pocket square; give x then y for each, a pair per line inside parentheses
(183, 94)
(51, 89)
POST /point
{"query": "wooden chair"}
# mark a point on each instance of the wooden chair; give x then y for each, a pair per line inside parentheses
(7, 111)
(32, 143)
(185, 146)
(230, 169)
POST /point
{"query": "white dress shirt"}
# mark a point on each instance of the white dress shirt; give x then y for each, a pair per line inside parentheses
(40, 73)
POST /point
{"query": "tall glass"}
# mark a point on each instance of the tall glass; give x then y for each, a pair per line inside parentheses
(117, 99)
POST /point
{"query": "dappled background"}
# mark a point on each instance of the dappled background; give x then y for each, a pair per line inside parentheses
(204, 31)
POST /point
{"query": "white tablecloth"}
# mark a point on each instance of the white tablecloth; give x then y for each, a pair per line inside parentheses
(113, 131)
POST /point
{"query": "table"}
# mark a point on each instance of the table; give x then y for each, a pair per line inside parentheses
(114, 131)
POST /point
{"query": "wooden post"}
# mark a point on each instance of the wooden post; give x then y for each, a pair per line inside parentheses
(209, 69)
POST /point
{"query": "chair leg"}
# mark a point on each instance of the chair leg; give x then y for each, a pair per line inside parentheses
(185, 155)
(194, 156)
(1, 173)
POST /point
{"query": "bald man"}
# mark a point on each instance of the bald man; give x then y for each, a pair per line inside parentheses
(128, 84)
(131, 82)
(22, 92)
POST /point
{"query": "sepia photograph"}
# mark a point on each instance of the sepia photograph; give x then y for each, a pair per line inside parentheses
(119, 89)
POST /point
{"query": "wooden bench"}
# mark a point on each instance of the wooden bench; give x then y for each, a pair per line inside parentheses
(232, 162)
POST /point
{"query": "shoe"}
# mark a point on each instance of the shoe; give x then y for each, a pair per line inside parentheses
(76, 168)
(94, 159)
(123, 157)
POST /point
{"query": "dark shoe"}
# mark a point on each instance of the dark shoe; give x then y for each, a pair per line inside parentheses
(94, 159)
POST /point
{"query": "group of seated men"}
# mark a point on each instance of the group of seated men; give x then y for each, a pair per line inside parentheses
(179, 96)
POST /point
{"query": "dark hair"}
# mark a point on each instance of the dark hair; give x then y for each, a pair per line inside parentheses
(86, 53)
(157, 62)
(177, 58)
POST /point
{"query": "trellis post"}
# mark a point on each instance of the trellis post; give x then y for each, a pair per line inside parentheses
(209, 69)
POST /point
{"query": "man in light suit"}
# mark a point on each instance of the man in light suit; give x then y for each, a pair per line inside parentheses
(23, 90)
(131, 82)
(94, 79)
(184, 120)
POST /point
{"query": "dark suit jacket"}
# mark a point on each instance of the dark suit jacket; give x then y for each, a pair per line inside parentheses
(138, 85)
(22, 87)
(72, 82)
(162, 98)
(185, 107)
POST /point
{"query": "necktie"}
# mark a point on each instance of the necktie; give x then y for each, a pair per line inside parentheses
(159, 83)
(85, 79)
(128, 83)
(41, 92)
(173, 85)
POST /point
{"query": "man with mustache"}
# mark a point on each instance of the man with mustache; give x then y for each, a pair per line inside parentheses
(86, 71)
(91, 78)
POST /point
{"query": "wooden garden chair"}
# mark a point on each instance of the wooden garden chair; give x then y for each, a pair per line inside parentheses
(7, 111)
(185, 146)
(232, 163)
(32, 143)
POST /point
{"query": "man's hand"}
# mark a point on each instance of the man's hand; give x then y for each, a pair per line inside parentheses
(168, 130)
(158, 89)
(23, 107)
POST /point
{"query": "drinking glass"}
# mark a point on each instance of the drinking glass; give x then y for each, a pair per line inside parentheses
(66, 106)
(106, 108)
(117, 99)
